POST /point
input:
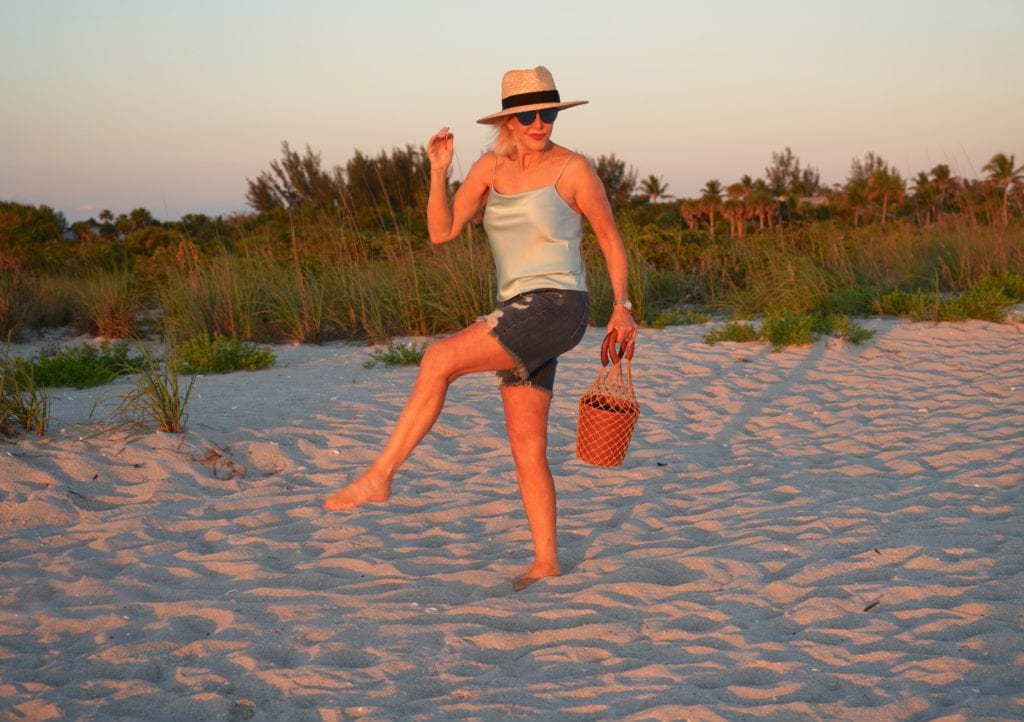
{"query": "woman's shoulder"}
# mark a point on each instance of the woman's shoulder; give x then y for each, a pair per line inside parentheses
(487, 159)
(577, 164)
(483, 167)
(572, 157)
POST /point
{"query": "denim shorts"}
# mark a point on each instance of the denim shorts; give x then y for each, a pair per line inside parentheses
(537, 327)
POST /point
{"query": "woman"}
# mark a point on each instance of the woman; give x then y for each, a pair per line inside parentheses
(534, 194)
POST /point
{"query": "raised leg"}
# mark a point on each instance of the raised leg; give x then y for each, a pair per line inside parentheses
(471, 350)
(526, 419)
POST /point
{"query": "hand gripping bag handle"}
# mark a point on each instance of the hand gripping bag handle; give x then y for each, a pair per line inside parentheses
(609, 354)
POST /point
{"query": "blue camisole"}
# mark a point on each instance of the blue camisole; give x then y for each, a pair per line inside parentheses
(535, 238)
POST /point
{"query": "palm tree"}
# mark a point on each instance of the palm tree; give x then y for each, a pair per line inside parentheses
(653, 187)
(711, 199)
(1001, 171)
(945, 188)
(762, 203)
(106, 224)
(690, 212)
(735, 212)
(886, 186)
(856, 199)
(737, 191)
(924, 198)
(735, 207)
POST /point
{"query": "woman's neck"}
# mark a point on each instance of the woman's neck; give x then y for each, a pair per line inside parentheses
(526, 159)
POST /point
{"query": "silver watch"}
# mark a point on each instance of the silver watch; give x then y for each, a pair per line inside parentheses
(625, 304)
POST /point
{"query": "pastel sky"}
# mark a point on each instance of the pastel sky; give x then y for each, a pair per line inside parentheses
(171, 106)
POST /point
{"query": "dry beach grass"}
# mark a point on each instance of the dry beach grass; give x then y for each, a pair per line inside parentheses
(828, 532)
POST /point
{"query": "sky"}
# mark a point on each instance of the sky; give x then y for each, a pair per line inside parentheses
(172, 106)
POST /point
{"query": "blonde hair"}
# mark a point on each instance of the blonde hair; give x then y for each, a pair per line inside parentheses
(503, 145)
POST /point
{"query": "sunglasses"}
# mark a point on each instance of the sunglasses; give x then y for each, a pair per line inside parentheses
(547, 115)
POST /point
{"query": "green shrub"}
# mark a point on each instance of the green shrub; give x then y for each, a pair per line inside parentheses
(674, 317)
(918, 305)
(732, 331)
(791, 329)
(409, 354)
(1011, 284)
(847, 302)
(788, 329)
(984, 302)
(81, 366)
(988, 300)
(843, 327)
(216, 354)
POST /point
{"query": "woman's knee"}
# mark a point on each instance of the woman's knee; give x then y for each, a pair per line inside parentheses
(441, 361)
(529, 442)
(433, 362)
(530, 452)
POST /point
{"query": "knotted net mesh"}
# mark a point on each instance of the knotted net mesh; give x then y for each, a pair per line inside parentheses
(608, 412)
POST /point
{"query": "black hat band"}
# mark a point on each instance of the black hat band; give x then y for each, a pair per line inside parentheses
(540, 96)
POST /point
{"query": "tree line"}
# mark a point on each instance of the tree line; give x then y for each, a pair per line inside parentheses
(387, 192)
(374, 189)
(874, 191)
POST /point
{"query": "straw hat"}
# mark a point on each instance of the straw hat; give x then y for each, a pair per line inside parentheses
(528, 90)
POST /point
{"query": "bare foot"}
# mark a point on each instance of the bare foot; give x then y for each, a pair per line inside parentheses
(359, 492)
(534, 575)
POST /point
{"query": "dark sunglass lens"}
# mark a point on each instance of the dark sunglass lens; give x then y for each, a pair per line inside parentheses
(526, 117)
(548, 115)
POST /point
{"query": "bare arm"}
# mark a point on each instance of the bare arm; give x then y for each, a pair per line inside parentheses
(446, 220)
(590, 197)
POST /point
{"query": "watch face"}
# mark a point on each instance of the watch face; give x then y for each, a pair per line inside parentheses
(625, 304)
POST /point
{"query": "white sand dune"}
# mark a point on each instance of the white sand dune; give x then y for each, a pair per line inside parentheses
(831, 532)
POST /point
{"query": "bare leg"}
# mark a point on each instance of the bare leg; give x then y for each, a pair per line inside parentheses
(526, 418)
(471, 350)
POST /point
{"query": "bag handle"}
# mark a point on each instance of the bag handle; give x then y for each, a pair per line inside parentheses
(610, 354)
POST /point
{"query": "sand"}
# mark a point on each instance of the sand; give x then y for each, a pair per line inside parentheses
(831, 532)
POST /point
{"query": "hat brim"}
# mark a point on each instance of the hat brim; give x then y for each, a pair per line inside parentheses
(496, 117)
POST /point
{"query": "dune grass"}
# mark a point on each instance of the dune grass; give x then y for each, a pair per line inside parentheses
(157, 395)
(22, 400)
(15, 299)
(108, 302)
(315, 280)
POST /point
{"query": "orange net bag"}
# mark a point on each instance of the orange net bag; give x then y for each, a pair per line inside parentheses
(608, 410)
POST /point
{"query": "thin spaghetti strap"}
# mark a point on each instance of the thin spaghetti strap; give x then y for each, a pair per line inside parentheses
(494, 173)
(564, 166)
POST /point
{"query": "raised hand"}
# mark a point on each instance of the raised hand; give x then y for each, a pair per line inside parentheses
(440, 149)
